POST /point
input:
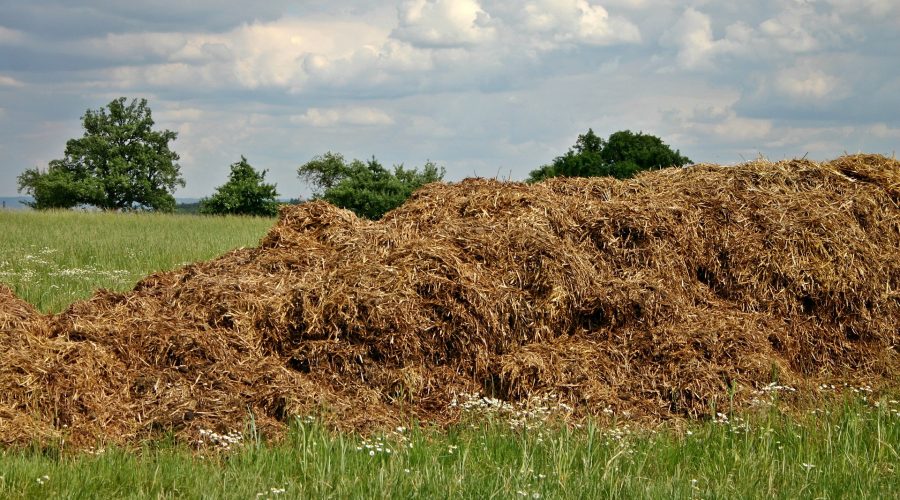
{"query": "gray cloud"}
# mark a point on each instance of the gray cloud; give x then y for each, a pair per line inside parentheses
(61, 20)
(485, 87)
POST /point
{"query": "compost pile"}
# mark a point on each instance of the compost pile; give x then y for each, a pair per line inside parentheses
(658, 296)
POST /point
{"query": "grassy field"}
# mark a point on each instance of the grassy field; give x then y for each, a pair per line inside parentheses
(52, 259)
(847, 448)
(847, 452)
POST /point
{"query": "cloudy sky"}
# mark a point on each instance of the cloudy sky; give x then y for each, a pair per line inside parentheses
(483, 87)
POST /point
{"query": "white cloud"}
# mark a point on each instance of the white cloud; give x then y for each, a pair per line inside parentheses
(797, 28)
(170, 75)
(722, 122)
(389, 64)
(639, 4)
(875, 8)
(183, 114)
(272, 53)
(576, 20)
(134, 46)
(256, 55)
(352, 116)
(443, 23)
(822, 142)
(808, 84)
(10, 36)
(884, 131)
(510, 26)
(739, 129)
(430, 44)
(596, 26)
(696, 46)
(692, 36)
(8, 81)
(789, 34)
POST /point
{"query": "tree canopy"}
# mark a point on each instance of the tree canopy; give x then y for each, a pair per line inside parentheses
(367, 188)
(120, 163)
(245, 193)
(622, 155)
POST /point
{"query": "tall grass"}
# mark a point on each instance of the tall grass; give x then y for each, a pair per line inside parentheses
(850, 452)
(51, 259)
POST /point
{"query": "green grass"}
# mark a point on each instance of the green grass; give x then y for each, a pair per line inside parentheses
(850, 452)
(847, 449)
(51, 259)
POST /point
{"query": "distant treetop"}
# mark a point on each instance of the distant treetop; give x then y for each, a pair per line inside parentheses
(622, 155)
(367, 188)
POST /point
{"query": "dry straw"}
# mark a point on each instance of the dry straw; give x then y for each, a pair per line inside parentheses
(662, 296)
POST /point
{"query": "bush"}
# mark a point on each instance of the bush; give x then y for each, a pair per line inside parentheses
(245, 193)
(366, 188)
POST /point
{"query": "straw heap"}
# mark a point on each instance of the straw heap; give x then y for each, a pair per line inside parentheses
(662, 296)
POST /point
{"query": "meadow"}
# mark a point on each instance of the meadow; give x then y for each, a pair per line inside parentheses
(51, 259)
(848, 450)
(848, 446)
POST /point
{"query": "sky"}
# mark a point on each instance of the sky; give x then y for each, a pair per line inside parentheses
(490, 88)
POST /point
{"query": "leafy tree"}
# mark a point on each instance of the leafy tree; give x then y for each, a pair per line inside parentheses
(366, 188)
(325, 171)
(55, 188)
(621, 156)
(245, 193)
(120, 163)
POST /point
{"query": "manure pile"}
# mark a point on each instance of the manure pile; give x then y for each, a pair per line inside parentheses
(661, 296)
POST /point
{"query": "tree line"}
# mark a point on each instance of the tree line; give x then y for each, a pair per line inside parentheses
(122, 163)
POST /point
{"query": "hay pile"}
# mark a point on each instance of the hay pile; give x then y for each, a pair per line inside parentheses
(659, 295)
(13, 310)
